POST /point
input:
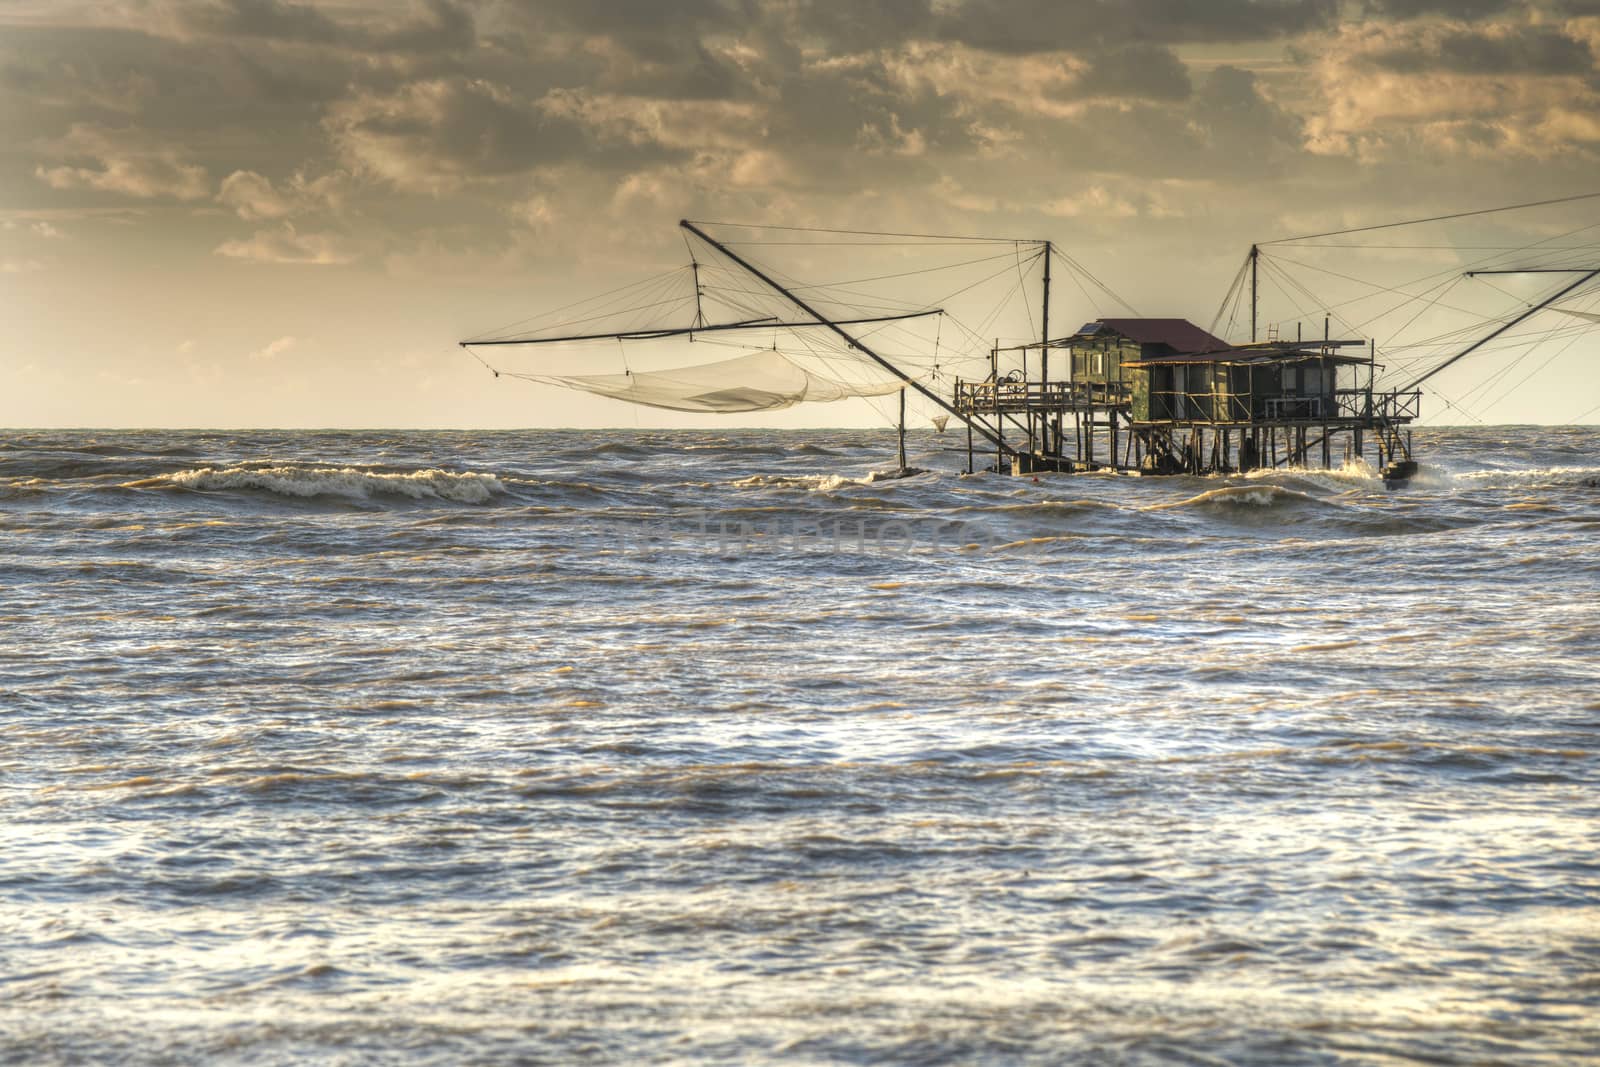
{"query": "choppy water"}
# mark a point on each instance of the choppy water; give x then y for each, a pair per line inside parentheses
(459, 747)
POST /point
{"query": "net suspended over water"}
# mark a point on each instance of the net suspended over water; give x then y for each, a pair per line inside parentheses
(915, 312)
(761, 381)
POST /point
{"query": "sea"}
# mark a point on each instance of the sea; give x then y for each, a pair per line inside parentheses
(647, 746)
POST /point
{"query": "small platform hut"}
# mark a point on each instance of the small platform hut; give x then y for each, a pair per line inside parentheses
(1163, 396)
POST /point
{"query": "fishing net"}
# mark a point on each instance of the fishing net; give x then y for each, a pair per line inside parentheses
(760, 381)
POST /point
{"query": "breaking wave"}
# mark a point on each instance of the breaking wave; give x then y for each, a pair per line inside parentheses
(816, 483)
(348, 483)
(1260, 496)
(1583, 477)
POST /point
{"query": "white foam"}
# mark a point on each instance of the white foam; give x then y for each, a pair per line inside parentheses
(1260, 496)
(816, 483)
(346, 482)
(1351, 472)
(1497, 479)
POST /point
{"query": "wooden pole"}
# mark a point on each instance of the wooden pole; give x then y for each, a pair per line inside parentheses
(902, 429)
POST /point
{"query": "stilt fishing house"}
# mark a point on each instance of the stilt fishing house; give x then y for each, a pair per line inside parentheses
(1129, 394)
(1163, 396)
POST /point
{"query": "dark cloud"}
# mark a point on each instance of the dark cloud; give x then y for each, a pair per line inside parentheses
(1145, 72)
(650, 29)
(199, 92)
(1537, 50)
(664, 50)
(1241, 129)
(1460, 9)
(432, 135)
(440, 26)
(455, 129)
(700, 75)
(432, 26)
(272, 19)
(847, 26)
(840, 109)
(1028, 26)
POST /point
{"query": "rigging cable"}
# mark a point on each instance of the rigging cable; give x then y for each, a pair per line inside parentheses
(1436, 218)
(1074, 265)
(864, 233)
(1022, 283)
(1233, 294)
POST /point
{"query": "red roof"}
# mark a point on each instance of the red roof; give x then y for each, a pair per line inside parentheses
(1180, 335)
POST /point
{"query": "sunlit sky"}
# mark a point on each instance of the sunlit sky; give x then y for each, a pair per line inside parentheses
(267, 213)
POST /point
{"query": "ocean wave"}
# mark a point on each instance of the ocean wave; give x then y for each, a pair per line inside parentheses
(1587, 477)
(724, 448)
(348, 483)
(1244, 496)
(1355, 472)
(816, 483)
(1048, 508)
(610, 448)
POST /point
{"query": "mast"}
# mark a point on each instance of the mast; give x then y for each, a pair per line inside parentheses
(1255, 259)
(1044, 338)
(902, 428)
(1044, 348)
(1480, 342)
(858, 345)
(699, 313)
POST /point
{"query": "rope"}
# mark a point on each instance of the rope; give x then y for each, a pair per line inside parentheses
(1435, 218)
(862, 233)
(1022, 283)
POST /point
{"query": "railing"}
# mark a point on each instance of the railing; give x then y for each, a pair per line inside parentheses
(1398, 406)
(1199, 407)
(1294, 407)
(1364, 404)
(1020, 395)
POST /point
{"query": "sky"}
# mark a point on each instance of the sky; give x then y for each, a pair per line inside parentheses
(227, 213)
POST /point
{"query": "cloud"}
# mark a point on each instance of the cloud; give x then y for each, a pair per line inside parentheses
(1495, 50)
(1140, 71)
(433, 25)
(850, 26)
(143, 178)
(1444, 90)
(651, 29)
(271, 19)
(20, 266)
(127, 162)
(1027, 26)
(439, 26)
(430, 136)
(255, 198)
(1461, 9)
(436, 134)
(124, 164)
(1093, 201)
(274, 349)
(287, 245)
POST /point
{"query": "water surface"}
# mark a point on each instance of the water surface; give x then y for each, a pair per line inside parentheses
(651, 747)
